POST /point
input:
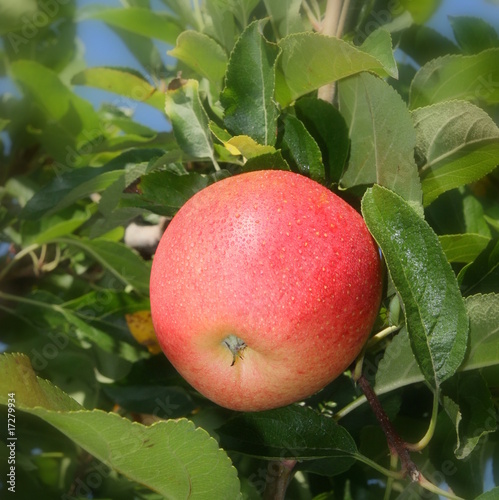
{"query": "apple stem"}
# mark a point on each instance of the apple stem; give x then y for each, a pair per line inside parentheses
(279, 474)
(236, 346)
(395, 443)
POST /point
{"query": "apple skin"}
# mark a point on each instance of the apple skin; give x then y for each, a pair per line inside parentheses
(275, 260)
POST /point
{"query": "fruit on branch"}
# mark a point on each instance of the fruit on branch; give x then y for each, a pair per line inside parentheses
(264, 288)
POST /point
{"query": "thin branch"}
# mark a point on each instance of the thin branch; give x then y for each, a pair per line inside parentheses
(396, 444)
(333, 25)
(279, 474)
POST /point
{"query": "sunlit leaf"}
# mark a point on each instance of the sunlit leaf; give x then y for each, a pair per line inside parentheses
(421, 10)
(125, 82)
(248, 96)
(306, 63)
(69, 120)
(189, 120)
(463, 247)
(247, 146)
(382, 137)
(188, 461)
(59, 224)
(472, 78)
(202, 54)
(457, 143)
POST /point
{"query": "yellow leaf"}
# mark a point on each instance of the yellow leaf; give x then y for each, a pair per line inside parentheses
(140, 326)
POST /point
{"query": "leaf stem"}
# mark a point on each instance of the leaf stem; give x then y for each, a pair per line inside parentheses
(349, 407)
(371, 463)
(389, 482)
(427, 485)
(19, 255)
(382, 334)
(423, 442)
(30, 302)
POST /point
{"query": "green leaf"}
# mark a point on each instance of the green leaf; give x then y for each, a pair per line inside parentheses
(85, 326)
(328, 128)
(422, 10)
(145, 22)
(102, 335)
(399, 367)
(483, 311)
(248, 96)
(165, 192)
(248, 147)
(126, 265)
(221, 25)
(482, 275)
(171, 457)
(69, 120)
(266, 161)
(379, 45)
(201, 53)
(80, 183)
(463, 247)
(305, 64)
(158, 400)
(382, 137)
(473, 34)
(17, 376)
(492, 494)
(470, 78)
(300, 147)
(285, 16)
(59, 224)
(13, 15)
(435, 313)
(468, 403)
(457, 143)
(290, 432)
(128, 83)
(423, 44)
(189, 120)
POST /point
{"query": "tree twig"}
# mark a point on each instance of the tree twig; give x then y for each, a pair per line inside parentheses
(333, 25)
(279, 474)
(396, 444)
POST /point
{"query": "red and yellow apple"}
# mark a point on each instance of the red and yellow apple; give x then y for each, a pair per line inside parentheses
(264, 288)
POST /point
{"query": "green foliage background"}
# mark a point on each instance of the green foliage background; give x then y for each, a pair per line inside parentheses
(412, 141)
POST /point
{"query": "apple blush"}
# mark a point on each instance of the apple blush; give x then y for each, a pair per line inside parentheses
(264, 289)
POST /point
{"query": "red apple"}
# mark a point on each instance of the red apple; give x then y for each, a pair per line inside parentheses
(264, 288)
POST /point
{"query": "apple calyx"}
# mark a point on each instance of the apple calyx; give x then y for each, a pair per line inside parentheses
(236, 346)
